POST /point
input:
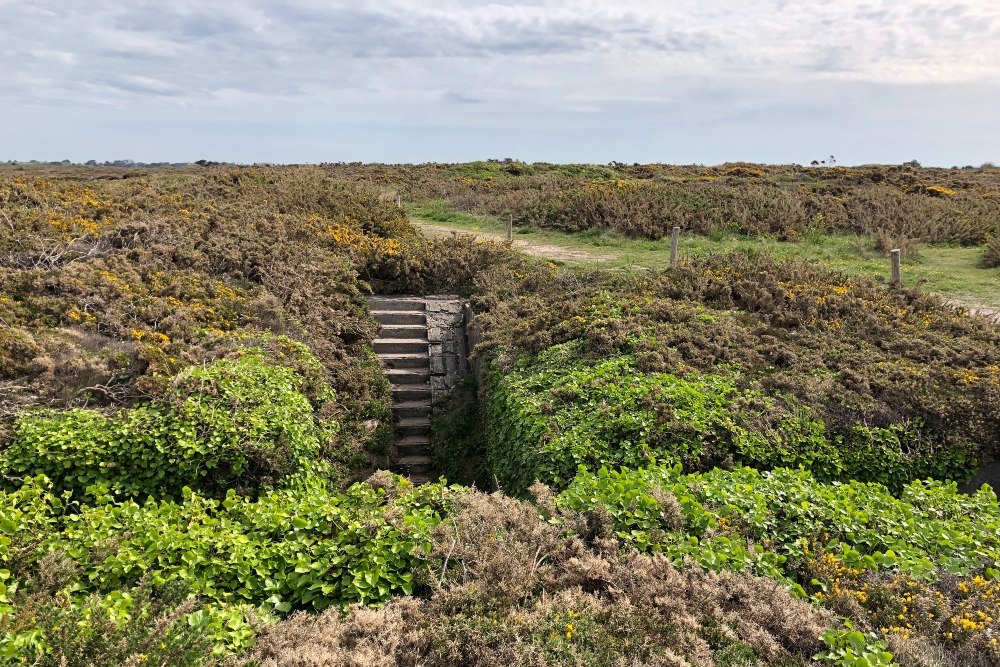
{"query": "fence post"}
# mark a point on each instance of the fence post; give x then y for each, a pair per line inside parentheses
(896, 277)
(399, 202)
(674, 238)
(510, 227)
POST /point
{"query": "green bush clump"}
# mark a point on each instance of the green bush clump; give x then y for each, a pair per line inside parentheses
(991, 257)
(457, 437)
(239, 423)
(556, 411)
(131, 627)
(777, 522)
(852, 352)
(301, 547)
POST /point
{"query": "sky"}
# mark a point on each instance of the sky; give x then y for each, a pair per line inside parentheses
(677, 81)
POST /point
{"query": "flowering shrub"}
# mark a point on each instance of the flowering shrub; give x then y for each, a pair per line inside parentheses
(841, 376)
(892, 204)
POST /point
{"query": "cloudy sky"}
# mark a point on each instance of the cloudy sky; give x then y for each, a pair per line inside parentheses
(683, 81)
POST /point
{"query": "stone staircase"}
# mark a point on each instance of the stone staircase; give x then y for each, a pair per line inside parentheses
(403, 347)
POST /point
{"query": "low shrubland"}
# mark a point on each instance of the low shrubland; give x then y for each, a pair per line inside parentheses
(898, 206)
(552, 414)
(190, 400)
(111, 292)
(924, 565)
(510, 589)
(735, 359)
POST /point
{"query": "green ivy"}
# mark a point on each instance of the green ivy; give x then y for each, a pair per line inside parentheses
(557, 411)
(771, 522)
(242, 424)
(851, 648)
(300, 547)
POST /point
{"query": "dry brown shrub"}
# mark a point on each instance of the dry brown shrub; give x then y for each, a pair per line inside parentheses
(512, 589)
(388, 637)
(919, 652)
(496, 546)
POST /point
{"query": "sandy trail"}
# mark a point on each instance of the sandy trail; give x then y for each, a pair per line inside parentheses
(990, 313)
(530, 247)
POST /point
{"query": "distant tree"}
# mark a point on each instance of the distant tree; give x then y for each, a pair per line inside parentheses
(912, 163)
(815, 163)
(91, 163)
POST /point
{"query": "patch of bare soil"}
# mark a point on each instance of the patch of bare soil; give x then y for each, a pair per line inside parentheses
(987, 312)
(530, 247)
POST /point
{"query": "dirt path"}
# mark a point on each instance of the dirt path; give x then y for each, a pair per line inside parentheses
(530, 247)
(991, 314)
(561, 253)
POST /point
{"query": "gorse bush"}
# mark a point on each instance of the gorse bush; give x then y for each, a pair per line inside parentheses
(812, 356)
(240, 424)
(133, 627)
(897, 205)
(109, 289)
(991, 257)
(449, 265)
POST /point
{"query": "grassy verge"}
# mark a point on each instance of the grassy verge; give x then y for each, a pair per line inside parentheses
(953, 272)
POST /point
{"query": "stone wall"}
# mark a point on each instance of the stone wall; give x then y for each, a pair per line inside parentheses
(448, 347)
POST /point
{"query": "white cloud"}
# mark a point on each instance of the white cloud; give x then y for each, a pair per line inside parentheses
(491, 65)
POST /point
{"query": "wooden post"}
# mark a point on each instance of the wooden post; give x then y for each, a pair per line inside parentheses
(674, 238)
(399, 201)
(896, 277)
(510, 227)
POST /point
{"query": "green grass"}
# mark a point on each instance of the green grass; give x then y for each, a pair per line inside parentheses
(952, 272)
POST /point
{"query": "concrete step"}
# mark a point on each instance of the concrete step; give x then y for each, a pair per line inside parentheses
(415, 464)
(411, 392)
(407, 409)
(410, 426)
(403, 376)
(413, 445)
(392, 303)
(385, 317)
(403, 331)
(419, 479)
(399, 346)
(406, 360)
